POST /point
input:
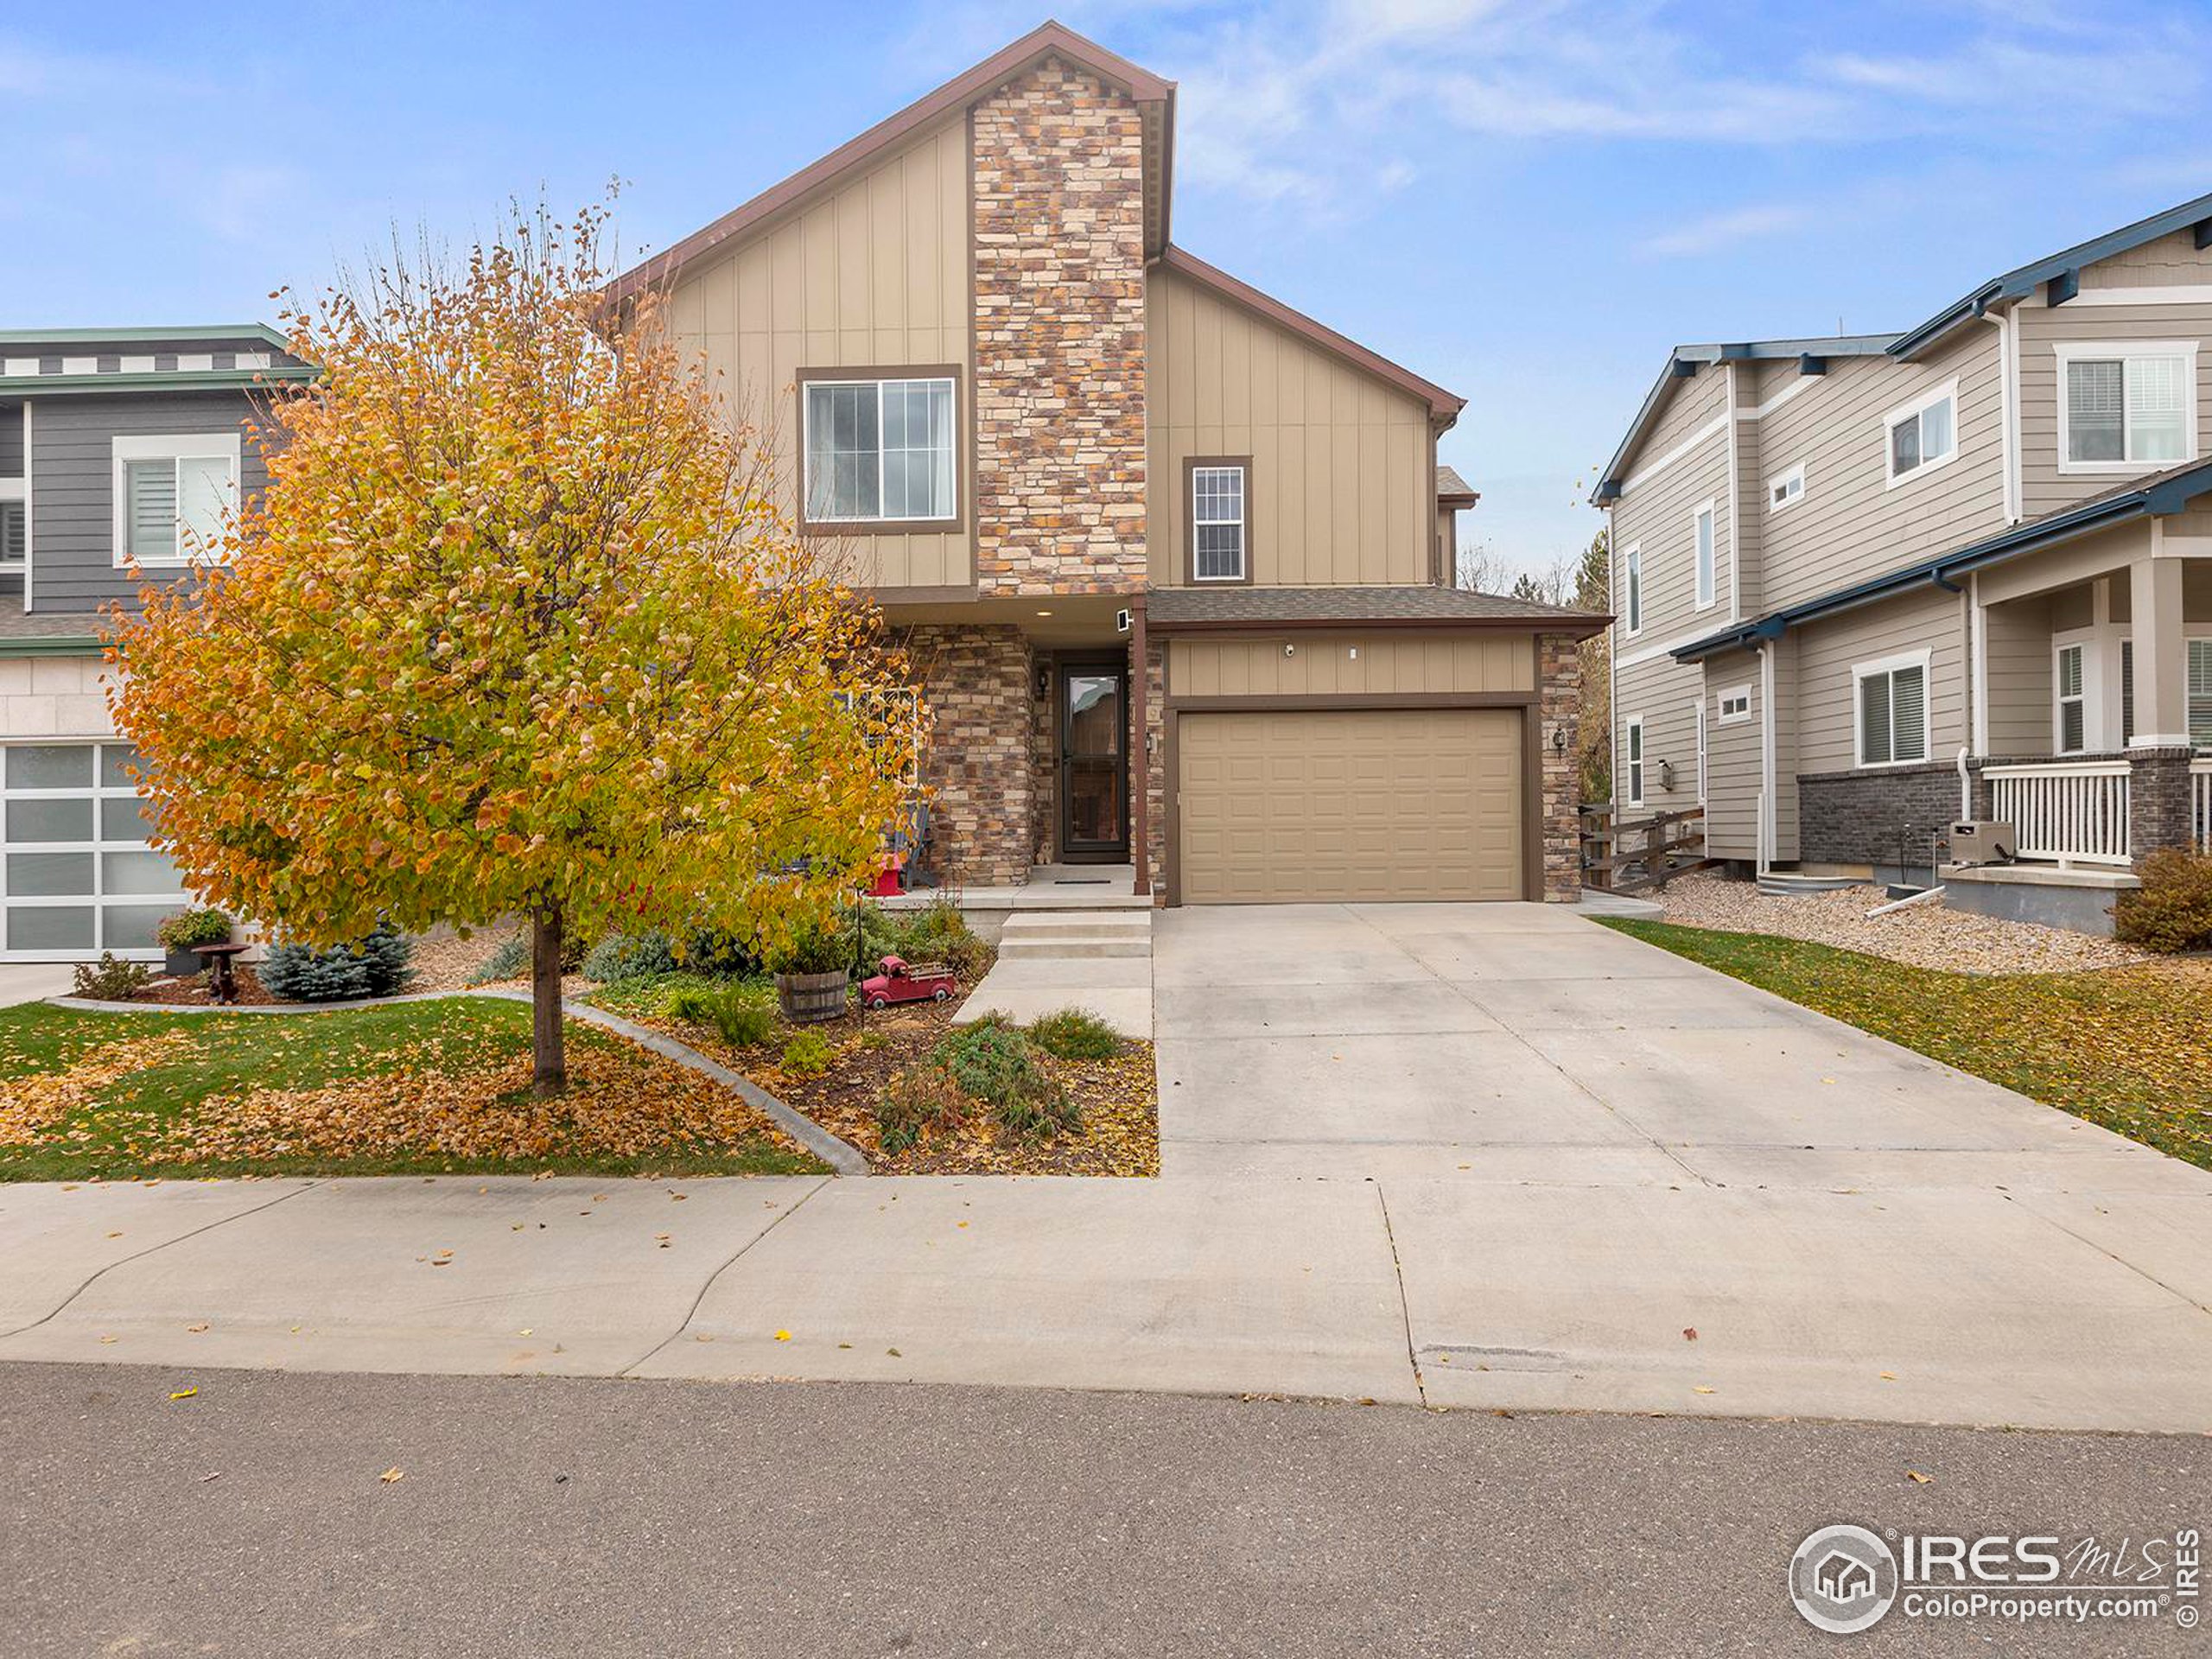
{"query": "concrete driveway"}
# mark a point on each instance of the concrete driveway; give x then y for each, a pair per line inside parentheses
(1525, 1042)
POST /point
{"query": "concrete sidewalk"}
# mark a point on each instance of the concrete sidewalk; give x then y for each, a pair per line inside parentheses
(2050, 1309)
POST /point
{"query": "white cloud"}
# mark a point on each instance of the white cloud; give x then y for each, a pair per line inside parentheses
(1718, 231)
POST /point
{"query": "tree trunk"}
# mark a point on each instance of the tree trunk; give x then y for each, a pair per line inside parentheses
(548, 1056)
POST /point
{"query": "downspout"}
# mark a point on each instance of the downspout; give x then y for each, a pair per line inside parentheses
(1614, 577)
(1735, 509)
(1768, 786)
(2008, 407)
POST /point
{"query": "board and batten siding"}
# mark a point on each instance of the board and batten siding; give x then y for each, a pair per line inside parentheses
(1416, 662)
(1828, 650)
(1849, 524)
(873, 274)
(73, 482)
(1342, 485)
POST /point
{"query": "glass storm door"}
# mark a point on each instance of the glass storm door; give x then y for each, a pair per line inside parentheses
(1094, 762)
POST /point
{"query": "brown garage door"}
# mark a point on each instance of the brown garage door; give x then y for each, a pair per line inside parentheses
(1350, 803)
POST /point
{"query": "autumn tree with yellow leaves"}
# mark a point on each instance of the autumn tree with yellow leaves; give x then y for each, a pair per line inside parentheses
(518, 627)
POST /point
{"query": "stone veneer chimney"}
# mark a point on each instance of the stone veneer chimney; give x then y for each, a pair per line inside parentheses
(1059, 160)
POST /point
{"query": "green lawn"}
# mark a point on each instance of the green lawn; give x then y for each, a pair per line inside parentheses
(2130, 1048)
(411, 1088)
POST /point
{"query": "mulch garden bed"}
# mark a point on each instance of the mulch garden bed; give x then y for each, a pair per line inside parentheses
(192, 993)
(1119, 1097)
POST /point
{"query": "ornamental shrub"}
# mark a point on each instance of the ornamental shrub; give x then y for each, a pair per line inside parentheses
(1075, 1034)
(111, 979)
(190, 927)
(2172, 910)
(378, 965)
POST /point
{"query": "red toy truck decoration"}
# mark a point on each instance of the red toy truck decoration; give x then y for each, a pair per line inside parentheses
(899, 983)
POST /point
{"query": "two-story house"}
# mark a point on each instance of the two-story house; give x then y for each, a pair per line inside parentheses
(116, 445)
(1865, 586)
(1173, 561)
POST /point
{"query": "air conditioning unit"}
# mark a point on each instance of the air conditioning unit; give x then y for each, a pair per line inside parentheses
(1984, 840)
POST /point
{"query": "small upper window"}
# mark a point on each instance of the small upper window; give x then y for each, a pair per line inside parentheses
(1924, 435)
(1704, 533)
(879, 451)
(1781, 492)
(173, 496)
(1735, 704)
(1632, 591)
(1218, 522)
(2129, 408)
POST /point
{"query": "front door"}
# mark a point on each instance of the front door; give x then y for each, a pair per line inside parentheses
(1094, 761)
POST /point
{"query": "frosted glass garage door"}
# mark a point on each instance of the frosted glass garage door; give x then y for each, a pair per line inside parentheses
(76, 874)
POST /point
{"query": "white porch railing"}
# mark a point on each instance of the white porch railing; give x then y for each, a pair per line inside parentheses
(2200, 801)
(2074, 811)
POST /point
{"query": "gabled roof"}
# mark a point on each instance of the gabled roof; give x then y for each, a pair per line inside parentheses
(2159, 496)
(260, 332)
(1052, 40)
(1453, 491)
(1443, 406)
(1178, 610)
(2062, 268)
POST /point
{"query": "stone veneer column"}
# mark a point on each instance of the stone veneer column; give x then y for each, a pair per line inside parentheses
(2157, 800)
(1060, 319)
(1558, 676)
(976, 760)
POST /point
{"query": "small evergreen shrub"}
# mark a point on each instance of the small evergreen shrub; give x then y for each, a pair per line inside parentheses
(111, 979)
(1075, 1034)
(808, 1054)
(919, 1101)
(2172, 910)
(510, 960)
(630, 956)
(375, 966)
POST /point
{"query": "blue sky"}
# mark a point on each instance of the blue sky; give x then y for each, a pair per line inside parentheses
(1527, 202)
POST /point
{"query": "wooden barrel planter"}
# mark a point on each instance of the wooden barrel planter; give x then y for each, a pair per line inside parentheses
(809, 999)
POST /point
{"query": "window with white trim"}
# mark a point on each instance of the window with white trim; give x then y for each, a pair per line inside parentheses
(2070, 713)
(1923, 434)
(78, 875)
(2126, 692)
(13, 544)
(1632, 590)
(2200, 693)
(173, 496)
(1634, 747)
(1892, 699)
(1218, 520)
(1735, 704)
(2126, 408)
(1702, 530)
(879, 451)
(1781, 492)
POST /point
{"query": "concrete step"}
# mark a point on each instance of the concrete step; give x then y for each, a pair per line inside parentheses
(1137, 923)
(1014, 947)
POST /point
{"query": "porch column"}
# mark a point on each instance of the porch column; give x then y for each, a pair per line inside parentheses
(1140, 749)
(2157, 802)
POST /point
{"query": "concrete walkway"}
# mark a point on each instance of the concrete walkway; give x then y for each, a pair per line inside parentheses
(1494, 1157)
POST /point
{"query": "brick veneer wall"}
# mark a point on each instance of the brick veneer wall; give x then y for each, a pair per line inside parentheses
(1852, 818)
(977, 760)
(2158, 805)
(1059, 336)
(1559, 680)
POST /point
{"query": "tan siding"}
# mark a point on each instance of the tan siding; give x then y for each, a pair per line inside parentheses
(1341, 486)
(874, 275)
(1416, 660)
(1656, 516)
(1828, 650)
(2018, 637)
(1665, 693)
(1849, 526)
(1731, 796)
(2045, 488)
(1789, 676)
(2170, 262)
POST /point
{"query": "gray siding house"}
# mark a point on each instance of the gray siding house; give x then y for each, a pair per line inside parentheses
(1868, 585)
(115, 445)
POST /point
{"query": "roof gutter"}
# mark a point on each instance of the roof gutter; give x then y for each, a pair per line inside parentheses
(1581, 624)
(2156, 501)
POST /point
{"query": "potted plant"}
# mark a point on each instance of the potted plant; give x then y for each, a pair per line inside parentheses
(177, 934)
(811, 974)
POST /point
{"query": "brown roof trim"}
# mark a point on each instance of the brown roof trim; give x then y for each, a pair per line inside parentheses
(1581, 625)
(1051, 39)
(1443, 405)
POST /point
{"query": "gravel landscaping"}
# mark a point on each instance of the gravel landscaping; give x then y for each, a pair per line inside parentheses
(1925, 936)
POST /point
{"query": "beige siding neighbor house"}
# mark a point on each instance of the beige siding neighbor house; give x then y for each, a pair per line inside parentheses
(1173, 561)
(1869, 586)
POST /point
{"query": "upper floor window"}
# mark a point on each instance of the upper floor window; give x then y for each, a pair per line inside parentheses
(172, 495)
(1735, 704)
(1632, 590)
(1220, 520)
(2128, 407)
(1892, 698)
(1925, 434)
(880, 452)
(1781, 492)
(1704, 533)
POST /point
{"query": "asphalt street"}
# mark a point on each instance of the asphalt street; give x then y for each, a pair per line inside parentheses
(574, 1515)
